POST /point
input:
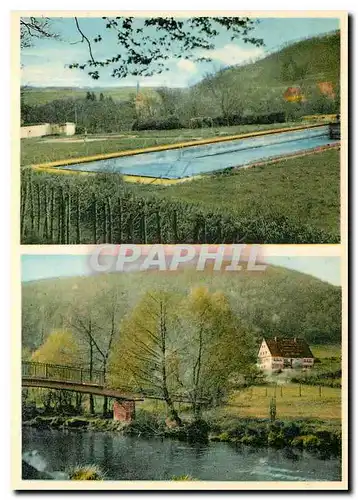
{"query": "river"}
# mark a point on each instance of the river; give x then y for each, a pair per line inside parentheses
(138, 458)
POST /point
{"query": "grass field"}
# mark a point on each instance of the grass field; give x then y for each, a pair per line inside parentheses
(306, 189)
(326, 351)
(254, 402)
(48, 149)
(293, 401)
(38, 96)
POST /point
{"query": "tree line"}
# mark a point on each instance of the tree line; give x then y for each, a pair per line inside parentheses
(211, 104)
(148, 350)
(100, 209)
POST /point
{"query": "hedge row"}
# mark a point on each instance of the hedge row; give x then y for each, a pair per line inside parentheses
(173, 122)
(61, 210)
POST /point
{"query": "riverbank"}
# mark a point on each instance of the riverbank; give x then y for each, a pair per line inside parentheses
(319, 437)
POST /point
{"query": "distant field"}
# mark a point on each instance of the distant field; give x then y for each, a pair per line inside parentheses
(48, 149)
(39, 96)
(306, 189)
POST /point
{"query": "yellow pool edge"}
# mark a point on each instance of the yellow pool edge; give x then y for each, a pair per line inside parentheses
(165, 147)
(137, 179)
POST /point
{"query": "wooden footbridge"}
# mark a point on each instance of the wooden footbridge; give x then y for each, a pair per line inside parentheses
(71, 378)
(83, 380)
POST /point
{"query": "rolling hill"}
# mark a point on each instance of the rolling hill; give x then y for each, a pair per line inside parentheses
(308, 61)
(277, 301)
(304, 63)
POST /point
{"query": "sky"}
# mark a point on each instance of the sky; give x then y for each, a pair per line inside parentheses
(37, 267)
(45, 64)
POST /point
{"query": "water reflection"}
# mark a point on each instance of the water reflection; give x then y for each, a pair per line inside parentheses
(130, 458)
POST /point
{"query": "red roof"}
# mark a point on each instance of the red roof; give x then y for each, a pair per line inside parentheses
(289, 347)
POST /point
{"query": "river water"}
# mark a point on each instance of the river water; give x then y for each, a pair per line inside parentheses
(137, 458)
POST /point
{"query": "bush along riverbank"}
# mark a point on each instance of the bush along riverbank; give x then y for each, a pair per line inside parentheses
(314, 436)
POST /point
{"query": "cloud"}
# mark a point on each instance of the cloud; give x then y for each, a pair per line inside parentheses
(186, 65)
(46, 66)
(50, 75)
(233, 54)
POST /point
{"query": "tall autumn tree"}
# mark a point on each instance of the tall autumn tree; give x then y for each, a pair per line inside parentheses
(215, 346)
(143, 357)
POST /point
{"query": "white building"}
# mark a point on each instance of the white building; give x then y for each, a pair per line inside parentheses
(282, 353)
(43, 129)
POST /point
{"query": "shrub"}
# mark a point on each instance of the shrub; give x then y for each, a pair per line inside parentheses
(170, 123)
(224, 436)
(198, 431)
(76, 423)
(309, 442)
(86, 473)
(276, 439)
(145, 424)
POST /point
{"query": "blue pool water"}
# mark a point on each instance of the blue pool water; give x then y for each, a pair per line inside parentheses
(186, 162)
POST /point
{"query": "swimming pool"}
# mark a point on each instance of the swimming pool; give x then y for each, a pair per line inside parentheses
(195, 160)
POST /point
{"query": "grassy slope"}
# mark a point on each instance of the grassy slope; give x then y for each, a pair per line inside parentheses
(304, 189)
(42, 151)
(319, 55)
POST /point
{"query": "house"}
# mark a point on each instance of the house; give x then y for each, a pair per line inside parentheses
(281, 353)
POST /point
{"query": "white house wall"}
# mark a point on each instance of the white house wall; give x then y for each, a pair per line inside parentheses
(47, 129)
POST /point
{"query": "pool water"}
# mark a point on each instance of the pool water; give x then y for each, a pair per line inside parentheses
(189, 161)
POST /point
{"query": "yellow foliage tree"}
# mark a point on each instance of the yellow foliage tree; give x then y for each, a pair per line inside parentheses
(142, 357)
(60, 348)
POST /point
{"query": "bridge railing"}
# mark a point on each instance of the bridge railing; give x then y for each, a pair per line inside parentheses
(32, 369)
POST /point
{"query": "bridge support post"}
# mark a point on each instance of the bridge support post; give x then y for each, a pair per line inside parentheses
(123, 411)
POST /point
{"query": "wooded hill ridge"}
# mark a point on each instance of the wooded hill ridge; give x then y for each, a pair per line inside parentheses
(276, 301)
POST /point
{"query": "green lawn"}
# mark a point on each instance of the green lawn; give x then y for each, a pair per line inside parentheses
(292, 402)
(306, 190)
(48, 149)
(255, 401)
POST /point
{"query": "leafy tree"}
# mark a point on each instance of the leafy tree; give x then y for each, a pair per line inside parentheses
(219, 346)
(32, 28)
(171, 100)
(145, 353)
(144, 45)
(226, 93)
(60, 348)
(95, 321)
